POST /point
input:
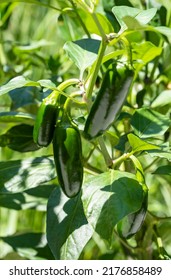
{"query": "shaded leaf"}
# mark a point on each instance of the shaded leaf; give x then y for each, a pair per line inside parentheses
(35, 241)
(109, 197)
(12, 201)
(19, 175)
(147, 123)
(163, 170)
(19, 138)
(24, 96)
(43, 190)
(67, 228)
(17, 117)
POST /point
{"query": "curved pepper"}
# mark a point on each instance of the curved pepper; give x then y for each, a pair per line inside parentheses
(132, 223)
(109, 101)
(68, 157)
(45, 121)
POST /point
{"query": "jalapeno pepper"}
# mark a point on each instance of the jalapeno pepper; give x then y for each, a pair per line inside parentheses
(132, 223)
(68, 157)
(109, 100)
(45, 121)
(47, 115)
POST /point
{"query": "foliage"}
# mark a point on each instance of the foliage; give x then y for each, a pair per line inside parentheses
(43, 45)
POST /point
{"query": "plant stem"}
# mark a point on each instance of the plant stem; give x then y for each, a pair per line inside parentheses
(99, 26)
(122, 158)
(105, 153)
(96, 66)
(80, 19)
(95, 70)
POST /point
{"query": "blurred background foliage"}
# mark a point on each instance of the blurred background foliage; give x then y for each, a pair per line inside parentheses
(32, 35)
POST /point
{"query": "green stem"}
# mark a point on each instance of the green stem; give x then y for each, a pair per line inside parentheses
(99, 26)
(128, 49)
(80, 19)
(95, 70)
(66, 84)
(105, 153)
(122, 158)
(59, 90)
(69, 99)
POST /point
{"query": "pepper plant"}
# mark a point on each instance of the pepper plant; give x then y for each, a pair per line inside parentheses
(85, 130)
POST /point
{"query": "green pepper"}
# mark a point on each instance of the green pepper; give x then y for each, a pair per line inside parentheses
(45, 121)
(132, 223)
(68, 157)
(109, 100)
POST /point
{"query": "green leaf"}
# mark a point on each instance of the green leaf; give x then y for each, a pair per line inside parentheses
(163, 170)
(164, 30)
(33, 46)
(22, 97)
(124, 14)
(161, 154)
(146, 16)
(122, 11)
(67, 228)
(19, 175)
(144, 52)
(139, 145)
(82, 52)
(164, 98)
(19, 138)
(113, 138)
(109, 197)
(47, 84)
(17, 82)
(17, 117)
(164, 231)
(36, 242)
(132, 23)
(12, 201)
(147, 123)
(42, 191)
(91, 25)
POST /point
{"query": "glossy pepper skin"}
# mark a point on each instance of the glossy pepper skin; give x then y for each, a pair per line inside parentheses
(68, 157)
(132, 223)
(45, 121)
(109, 101)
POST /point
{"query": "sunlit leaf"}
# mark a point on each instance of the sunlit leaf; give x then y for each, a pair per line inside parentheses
(17, 82)
(82, 52)
(108, 197)
(164, 98)
(145, 52)
(139, 145)
(147, 123)
(67, 228)
(19, 175)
